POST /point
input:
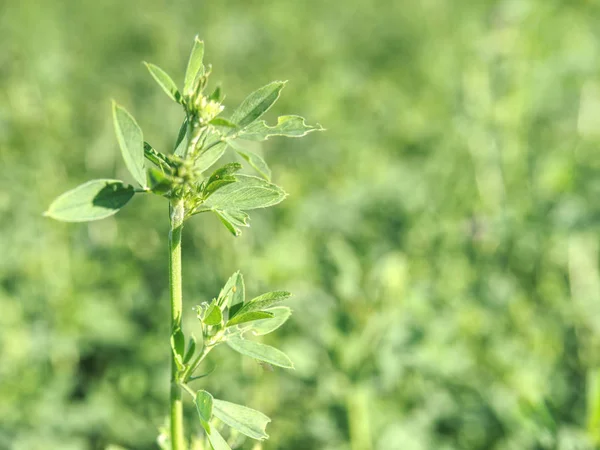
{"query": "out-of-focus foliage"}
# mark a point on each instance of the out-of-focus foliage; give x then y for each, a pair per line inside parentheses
(441, 238)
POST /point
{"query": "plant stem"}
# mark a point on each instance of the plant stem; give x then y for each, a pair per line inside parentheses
(176, 211)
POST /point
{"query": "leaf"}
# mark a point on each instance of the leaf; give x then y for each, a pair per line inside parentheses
(228, 223)
(204, 407)
(246, 420)
(178, 346)
(238, 291)
(280, 315)
(248, 317)
(160, 183)
(213, 315)
(165, 82)
(259, 351)
(288, 126)
(210, 156)
(221, 177)
(93, 200)
(254, 160)
(131, 142)
(264, 301)
(233, 292)
(216, 95)
(232, 219)
(221, 122)
(216, 440)
(181, 142)
(257, 103)
(248, 193)
(191, 350)
(194, 67)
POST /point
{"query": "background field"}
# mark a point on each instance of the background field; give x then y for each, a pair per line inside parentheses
(441, 238)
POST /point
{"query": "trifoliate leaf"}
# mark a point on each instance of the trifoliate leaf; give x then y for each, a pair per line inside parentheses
(131, 142)
(246, 420)
(93, 200)
(259, 351)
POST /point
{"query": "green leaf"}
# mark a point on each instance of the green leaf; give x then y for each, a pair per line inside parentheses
(216, 440)
(264, 301)
(248, 317)
(216, 95)
(228, 223)
(213, 315)
(178, 346)
(246, 420)
(280, 315)
(204, 406)
(160, 183)
(131, 142)
(248, 193)
(257, 103)
(93, 200)
(232, 219)
(288, 126)
(259, 351)
(221, 122)
(194, 67)
(181, 142)
(221, 177)
(254, 160)
(210, 156)
(233, 292)
(191, 349)
(238, 291)
(165, 82)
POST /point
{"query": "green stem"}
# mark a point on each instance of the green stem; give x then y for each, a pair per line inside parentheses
(177, 214)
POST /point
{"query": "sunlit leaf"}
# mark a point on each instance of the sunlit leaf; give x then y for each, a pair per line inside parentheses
(246, 420)
(257, 103)
(280, 315)
(93, 200)
(254, 160)
(248, 193)
(194, 67)
(259, 351)
(288, 126)
(165, 82)
(181, 142)
(204, 407)
(213, 315)
(131, 142)
(249, 317)
(216, 440)
(264, 301)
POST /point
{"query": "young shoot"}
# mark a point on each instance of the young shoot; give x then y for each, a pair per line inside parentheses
(183, 178)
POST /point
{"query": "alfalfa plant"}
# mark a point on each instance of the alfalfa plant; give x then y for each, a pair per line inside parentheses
(181, 177)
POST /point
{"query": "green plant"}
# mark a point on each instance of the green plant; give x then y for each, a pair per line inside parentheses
(180, 177)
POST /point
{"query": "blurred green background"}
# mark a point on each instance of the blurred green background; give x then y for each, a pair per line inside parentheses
(441, 238)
